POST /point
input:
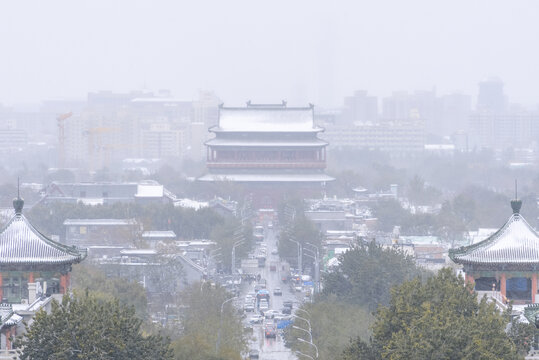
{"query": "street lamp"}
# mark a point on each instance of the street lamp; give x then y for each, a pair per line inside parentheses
(307, 321)
(316, 267)
(221, 324)
(302, 329)
(300, 267)
(302, 354)
(310, 343)
(237, 243)
(305, 311)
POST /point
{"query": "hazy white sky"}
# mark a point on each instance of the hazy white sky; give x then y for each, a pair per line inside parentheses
(304, 51)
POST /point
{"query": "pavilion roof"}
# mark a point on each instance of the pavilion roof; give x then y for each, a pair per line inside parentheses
(22, 244)
(515, 243)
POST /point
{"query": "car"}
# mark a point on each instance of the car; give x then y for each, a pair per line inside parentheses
(270, 225)
(270, 314)
(256, 319)
(288, 304)
(286, 310)
(253, 354)
(277, 292)
(249, 307)
(274, 252)
(298, 288)
(270, 331)
(281, 317)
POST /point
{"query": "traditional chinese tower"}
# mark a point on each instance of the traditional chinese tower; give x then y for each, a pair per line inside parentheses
(30, 262)
(506, 262)
(268, 149)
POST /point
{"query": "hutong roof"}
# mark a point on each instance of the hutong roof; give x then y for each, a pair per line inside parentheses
(516, 243)
(266, 118)
(22, 244)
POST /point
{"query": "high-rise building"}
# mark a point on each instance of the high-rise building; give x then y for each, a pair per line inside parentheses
(491, 96)
(360, 107)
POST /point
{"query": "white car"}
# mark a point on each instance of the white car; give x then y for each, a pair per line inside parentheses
(270, 314)
(256, 319)
(274, 252)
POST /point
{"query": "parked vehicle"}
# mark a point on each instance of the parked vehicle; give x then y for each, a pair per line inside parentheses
(253, 354)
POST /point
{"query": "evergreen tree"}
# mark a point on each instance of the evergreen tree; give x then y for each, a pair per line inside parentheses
(439, 319)
(88, 328)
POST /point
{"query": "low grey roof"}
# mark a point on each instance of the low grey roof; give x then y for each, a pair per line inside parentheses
(21, 243)
(313, 177)
(515, 243)
(268, 143)
(266, 119)
(101, 222)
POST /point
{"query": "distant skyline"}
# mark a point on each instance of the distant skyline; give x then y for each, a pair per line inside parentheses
(302, 51)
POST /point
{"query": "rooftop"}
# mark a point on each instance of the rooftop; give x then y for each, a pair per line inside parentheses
(268, 143)
(21, 243)
(266, 118)
(515, 243)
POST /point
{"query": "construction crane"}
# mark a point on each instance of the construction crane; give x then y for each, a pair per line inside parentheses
(61, 137)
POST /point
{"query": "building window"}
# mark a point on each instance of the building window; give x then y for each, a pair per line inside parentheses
(82, 194)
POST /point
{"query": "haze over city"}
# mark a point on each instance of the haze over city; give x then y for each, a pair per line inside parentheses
(284, 180)
(302, 51)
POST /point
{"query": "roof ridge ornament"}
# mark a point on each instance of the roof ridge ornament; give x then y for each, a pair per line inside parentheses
(18, 203)
(516, 204)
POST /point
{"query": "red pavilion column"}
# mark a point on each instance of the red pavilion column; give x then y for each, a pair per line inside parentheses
(1, 287)
(64, 283)
(30, 277)
(534, 287)
(502, 286)
(469, 279)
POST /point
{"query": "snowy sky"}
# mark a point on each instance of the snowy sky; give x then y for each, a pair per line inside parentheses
(303, 51)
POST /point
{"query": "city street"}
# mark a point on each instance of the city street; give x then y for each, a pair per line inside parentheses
(270, 348)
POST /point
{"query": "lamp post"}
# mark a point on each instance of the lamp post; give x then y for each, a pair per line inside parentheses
(302, 354)
(233, 266)
(305, 311)
(221, 324)
(310, 343)
(302, 329)
(300, 267)
(316, 267)
(307, 321)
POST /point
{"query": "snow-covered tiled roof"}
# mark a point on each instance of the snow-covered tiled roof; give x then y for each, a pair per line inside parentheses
(288, 177)
(21, 243)
(516, 243)
(266, 119)
(268, 143)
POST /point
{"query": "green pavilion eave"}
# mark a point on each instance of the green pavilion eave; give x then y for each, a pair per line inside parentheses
(506, 262)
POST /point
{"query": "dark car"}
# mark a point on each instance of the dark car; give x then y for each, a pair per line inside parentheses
(253, 354)
(270, 331)
(286, 310)
(288, 304)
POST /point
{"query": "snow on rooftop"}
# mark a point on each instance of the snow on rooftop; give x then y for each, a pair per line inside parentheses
(149, 190)
(191, 204)
(159, 234)
(266, 119)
